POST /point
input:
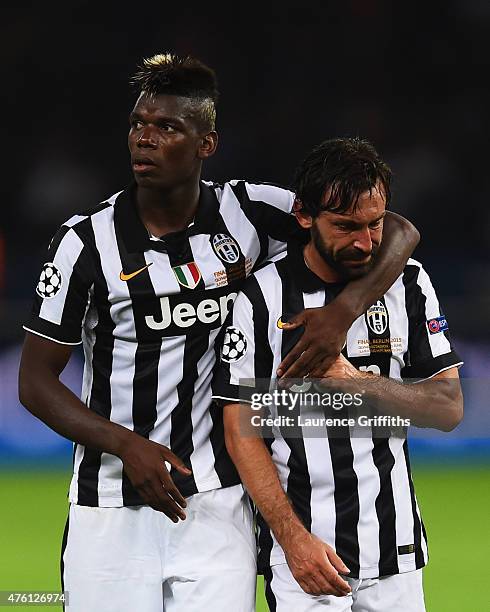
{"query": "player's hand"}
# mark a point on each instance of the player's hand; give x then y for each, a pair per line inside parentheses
(321, 342)
(315, 565)
(144, 464)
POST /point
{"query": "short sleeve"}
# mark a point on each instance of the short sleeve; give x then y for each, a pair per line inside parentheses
(63, 290)
(244, 357)
(269, 208)
(430, 350)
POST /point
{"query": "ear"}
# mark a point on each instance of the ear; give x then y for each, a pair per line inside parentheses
(208, 145)
(303, 218)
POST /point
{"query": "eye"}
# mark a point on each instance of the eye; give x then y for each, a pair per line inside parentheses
(136, 124)
(376, 225)
(166, 127)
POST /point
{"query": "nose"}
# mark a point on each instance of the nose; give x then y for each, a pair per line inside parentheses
(363, 241)
(146, 138)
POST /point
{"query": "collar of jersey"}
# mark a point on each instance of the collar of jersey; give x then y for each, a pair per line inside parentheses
(135, 235)
(305, 278)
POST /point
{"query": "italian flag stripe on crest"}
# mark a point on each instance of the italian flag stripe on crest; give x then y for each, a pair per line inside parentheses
(188, 275)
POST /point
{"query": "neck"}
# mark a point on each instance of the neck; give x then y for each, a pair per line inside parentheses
(165, 211)
(319, 266)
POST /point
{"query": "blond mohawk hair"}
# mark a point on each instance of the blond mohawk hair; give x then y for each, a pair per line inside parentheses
(170, 74)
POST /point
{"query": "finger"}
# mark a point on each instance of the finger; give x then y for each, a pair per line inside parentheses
(309, 585)
(153, 501)
(335, 582)
(170, 488)
(175, 462)
(299, 368)
(337, 562)
(294, 354)
(167, 503)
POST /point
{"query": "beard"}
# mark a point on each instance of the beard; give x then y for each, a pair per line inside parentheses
(344, 261)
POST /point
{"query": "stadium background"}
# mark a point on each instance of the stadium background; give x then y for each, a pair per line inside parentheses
(410, 79)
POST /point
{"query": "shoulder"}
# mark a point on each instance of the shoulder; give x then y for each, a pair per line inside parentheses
(79, 222)
(246, 192)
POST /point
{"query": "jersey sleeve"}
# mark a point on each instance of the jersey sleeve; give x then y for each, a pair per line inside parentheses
(244, 356)
(269, 208)
(430, 350)
(63, 290)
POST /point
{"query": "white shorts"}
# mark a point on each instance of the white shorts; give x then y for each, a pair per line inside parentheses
(135, 559)
(397, 593)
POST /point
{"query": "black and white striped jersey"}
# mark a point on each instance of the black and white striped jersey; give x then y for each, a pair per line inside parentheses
(147, 312)
(356, 493)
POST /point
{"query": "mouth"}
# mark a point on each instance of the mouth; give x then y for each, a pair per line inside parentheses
(142, 164)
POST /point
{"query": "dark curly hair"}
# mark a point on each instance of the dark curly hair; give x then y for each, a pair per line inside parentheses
(343, 167)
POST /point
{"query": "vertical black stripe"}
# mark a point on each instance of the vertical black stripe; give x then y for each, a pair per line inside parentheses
(269, 593)
(100, 394)
(418, 528)
(346, 497)
(147, 356)
(418, 343)
(380, 347)
(299, 484)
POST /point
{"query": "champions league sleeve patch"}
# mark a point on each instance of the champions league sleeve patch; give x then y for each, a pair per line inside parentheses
(50, 281)
(439, 324)
(234, 345)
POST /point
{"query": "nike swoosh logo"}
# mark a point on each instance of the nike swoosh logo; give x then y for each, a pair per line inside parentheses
(126, 277)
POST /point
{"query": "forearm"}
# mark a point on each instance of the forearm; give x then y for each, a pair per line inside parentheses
(53, 403)
(435, 403)
(260, 478)
(400, 238)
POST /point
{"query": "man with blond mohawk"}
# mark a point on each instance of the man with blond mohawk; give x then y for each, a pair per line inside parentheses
(158, 517)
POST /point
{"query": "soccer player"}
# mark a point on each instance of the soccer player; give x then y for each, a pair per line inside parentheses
(340, 528)
(158, 517)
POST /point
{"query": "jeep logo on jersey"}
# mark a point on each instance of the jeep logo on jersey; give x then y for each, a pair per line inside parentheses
(177, 317)
(226, 248)
(377, 318)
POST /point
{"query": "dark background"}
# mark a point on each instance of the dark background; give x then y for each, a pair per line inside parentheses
(412, 79)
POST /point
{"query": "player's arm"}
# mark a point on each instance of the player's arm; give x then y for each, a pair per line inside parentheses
(437, 402)
(47, 398)
(326, 328)
(313, 563)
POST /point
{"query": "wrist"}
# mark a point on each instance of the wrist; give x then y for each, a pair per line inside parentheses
(121, 440)
(287, 531)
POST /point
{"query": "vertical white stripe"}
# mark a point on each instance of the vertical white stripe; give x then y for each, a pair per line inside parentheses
(368, 490)
(244, 368)
(73, 494)
(271, 287)
(320, 470)
(65, 259)
(202, 458)
(395, 304)
(162, 276)
(123, 355)
(358, 339)
(403, 502)
(170, 373)
(240, 227)
(207, 261)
